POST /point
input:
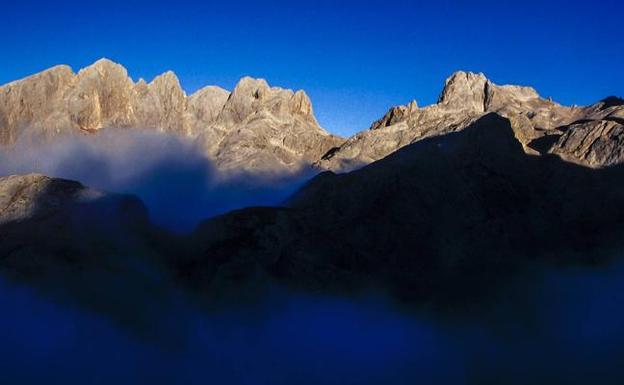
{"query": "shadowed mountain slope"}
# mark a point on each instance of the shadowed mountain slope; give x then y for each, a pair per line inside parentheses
(442, 216)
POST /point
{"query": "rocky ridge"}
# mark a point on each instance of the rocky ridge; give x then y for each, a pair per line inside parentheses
(467, 96)
(255, 128)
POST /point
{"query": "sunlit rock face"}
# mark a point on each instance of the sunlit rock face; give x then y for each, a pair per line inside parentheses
(268, 130)
(255, 128)
(263, 129)
(537, 123)
(598, 139)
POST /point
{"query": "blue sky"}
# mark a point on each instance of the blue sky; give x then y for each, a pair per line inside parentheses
(354, 59)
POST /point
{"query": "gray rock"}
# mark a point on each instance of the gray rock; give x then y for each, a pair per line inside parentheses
(596, 143)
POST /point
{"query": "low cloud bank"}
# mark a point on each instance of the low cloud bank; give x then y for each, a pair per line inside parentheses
(173, 177)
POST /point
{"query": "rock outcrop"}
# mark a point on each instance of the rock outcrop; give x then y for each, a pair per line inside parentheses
(263, 128)
(466, 97)
(256, 128)
(73, 244)
(598, 139)
(32, 196)
(52, 221)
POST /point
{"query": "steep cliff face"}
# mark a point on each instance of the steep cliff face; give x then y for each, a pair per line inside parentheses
(99, 96)
(466, 97)
(263, 128)
(256, 128)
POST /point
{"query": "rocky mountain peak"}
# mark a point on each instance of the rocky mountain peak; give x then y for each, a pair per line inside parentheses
(252, 97)
(256, 127)
(464, 90)
(537, 124)
(168, 79)
(250, 87)
(395, 115)
(105, 67)
(167, 85)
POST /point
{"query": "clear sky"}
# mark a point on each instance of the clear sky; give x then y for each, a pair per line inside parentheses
(354, 59)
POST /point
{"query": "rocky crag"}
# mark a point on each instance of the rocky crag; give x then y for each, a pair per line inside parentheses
(586, 135)
(255, 128)
(267, 130)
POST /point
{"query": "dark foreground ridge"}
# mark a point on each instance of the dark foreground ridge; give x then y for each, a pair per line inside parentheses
(435, 222)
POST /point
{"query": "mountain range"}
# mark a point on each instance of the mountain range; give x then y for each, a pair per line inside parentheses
(429, 203)
(269, 130)
(253, 128)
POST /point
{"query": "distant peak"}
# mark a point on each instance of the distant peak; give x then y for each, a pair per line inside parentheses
(105, 63)
(251, 86)
(465, 75)
(168, 77)
(210, 90)
(462, 82)
(106, 66)
(464, 89)
(104, 60)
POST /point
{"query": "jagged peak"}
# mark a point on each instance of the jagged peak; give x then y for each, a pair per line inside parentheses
(475, 91)
(210, 90)
(248, 86)
(106, 64)
(394, 115)
(167, 77)
(464, 88)
(465, 75)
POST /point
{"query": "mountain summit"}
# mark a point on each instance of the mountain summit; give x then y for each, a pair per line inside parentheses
(269, 130)
(251, 129)
(541, 125)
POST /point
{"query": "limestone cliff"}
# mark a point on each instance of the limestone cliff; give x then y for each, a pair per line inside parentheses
(256, 128)
(537, 122)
